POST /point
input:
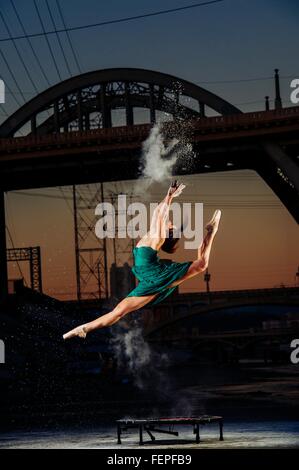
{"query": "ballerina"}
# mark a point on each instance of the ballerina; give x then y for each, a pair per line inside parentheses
(157, 278)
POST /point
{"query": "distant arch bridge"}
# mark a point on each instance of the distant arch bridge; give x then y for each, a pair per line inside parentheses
(186, 306)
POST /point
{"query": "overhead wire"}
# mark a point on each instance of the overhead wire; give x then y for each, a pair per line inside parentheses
(13, 78)
(47, 39)
(58, 38)
(228, 203)
(29, 42)
(75, 55)
(18, 53)
(118, 20)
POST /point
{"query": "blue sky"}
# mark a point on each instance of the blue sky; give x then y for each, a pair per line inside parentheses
(231, 40)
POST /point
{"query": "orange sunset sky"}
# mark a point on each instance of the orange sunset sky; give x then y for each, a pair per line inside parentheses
(256, 246)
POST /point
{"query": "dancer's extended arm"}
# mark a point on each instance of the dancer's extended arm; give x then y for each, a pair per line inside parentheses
(159, 222)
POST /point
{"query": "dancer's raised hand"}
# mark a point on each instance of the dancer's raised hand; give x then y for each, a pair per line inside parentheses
(175, 189)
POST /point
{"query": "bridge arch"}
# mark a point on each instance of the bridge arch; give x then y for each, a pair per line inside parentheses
(87, 101)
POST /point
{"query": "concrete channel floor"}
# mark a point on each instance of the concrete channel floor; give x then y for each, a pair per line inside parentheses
(237, 435)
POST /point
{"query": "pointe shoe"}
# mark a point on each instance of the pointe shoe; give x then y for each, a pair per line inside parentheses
(78, 331)
(212, 226)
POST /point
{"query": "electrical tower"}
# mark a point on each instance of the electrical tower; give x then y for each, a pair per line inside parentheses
(33, 255)
(90, 251)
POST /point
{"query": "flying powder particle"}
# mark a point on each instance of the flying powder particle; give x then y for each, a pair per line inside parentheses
(160, 157)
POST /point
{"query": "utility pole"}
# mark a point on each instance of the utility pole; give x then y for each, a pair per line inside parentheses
(207, 278)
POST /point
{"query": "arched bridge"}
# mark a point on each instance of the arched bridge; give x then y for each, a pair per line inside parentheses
(87, 101)
(70, 136)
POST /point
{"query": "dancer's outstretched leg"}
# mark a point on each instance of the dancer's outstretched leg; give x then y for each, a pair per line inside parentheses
(204, 251)
(127, 305)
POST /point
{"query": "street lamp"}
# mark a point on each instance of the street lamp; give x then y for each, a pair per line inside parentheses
(207, 278)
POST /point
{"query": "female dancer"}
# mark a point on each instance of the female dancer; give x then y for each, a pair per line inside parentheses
(157, 278)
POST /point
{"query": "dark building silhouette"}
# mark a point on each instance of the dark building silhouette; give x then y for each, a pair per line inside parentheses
(122, 280)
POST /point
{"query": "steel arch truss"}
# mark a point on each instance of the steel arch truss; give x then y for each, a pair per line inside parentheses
(87, 101)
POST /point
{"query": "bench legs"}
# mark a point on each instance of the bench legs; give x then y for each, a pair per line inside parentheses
(221, 430)
(196, 431)
(140, 435)
(118, 433)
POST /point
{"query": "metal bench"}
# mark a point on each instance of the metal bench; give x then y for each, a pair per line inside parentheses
(151, 425)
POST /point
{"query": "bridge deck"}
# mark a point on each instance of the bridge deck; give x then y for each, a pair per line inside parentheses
(216, 127)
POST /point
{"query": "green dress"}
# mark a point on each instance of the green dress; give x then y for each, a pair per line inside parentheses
(155, 275)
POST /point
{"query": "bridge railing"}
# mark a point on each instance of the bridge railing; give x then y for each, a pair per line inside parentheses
(107, 135)
(248, 118)
(140, 131)
(282, 292)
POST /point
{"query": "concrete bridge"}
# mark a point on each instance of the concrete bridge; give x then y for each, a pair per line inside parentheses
(185, 306)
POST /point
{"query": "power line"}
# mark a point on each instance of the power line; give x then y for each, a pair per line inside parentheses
(282, 77)
(154, 196)
(47, 39)
(229, 204)
(58, 38)
(66, 200)
(30, 43)
(254, 79)
(18, 53)
(5, 113)
(118, 20)
(75, 55)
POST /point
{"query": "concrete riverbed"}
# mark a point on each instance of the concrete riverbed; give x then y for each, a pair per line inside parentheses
(237, 435)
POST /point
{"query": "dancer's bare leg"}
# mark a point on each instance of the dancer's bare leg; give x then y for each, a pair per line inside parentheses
(204, 251)
(127, 305)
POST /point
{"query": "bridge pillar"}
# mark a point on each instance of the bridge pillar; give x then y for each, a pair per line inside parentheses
(284, 162)
(129, 109)
(202, 112)
(105, 110)
(152, 104)
(3, 261)
(79, 111)
(56, 117)
(33, 125)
